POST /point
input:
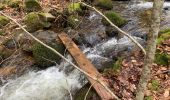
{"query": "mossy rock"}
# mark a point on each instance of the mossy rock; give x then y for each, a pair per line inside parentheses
(32, 5)
(33, 22)
(73, 21)
(115, 18)
(162, 59)
(46, 19)
(14, 3)
(45, 57)
(75, 7)
(104, 4)
(163, 35)
(3, 21)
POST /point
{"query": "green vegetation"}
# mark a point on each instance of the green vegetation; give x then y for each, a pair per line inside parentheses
(117, 64)
(3, 21)
(73, 21)
(104, 4)
(32, 5)
(162, 59)
(74, 7)
(33, 22)
(115, 18)
(45, 57)
(2, 6)
(14, 3)
(148, 98)
(164, 34)
(154, 85)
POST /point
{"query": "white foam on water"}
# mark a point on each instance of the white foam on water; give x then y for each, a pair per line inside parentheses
(147, 5)
(49, 84)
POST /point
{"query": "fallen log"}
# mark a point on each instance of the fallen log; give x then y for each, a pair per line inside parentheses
(87, 66)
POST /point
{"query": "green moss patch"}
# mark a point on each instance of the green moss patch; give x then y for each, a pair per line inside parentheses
(148, 98)
(2, 6)
(117, 65)
(154, 85)
(33, 22)
(14, 3)
(162, 59)
(115, 18)
(32, 5)
(74, 7)
(104, 4)
(45, 57)
(3, 21)
(163, 35)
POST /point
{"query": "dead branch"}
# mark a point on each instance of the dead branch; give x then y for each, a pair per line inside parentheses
(52, 49)
(85, 98)
(117, 28)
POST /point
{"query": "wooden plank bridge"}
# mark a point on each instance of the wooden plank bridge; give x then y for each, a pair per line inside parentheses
(86, 66)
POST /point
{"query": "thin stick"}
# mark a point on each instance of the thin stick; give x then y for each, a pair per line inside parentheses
(71, 97)
(117, 28)
(52, 49)
(88, 91)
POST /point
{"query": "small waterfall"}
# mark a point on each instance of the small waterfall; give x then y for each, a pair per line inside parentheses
(49, 84)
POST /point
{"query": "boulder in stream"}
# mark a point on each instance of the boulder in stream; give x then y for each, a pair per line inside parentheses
(43, 56)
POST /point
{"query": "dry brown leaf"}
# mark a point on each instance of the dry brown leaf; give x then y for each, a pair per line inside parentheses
(166, 93)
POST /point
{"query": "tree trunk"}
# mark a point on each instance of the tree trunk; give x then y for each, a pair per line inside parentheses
(151, 48)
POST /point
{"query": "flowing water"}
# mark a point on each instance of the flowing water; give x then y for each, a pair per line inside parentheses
(61, 81)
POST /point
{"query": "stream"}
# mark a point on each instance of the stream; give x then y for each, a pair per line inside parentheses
(61, 81)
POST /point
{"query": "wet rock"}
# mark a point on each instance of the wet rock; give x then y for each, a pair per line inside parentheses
(43, 56)
(92, 95)
(111, 32)
(35, 21)
(104, 4)
(5, 52)
(16, 65)
(46, 19)
(115, 18)
(115, 46)
(32, 5)
(3, 21)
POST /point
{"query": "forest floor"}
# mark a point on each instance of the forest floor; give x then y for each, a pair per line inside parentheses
(123, 82)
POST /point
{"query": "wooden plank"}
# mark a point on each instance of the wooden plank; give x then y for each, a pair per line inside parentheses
(86, 65)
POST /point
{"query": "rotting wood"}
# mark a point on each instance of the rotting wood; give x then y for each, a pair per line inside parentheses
(87, 66)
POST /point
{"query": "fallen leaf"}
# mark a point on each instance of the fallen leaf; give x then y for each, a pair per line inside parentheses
(166, 93)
